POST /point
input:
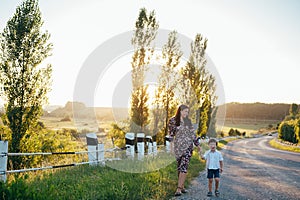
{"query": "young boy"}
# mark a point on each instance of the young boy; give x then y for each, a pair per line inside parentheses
(214, 165)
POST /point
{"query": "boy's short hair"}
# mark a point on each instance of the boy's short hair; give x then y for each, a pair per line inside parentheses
(212, 140)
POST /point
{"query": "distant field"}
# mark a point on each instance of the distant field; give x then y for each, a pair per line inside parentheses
(250, 127)
(86, 125)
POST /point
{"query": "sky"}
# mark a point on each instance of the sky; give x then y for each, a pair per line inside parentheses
(254, 45)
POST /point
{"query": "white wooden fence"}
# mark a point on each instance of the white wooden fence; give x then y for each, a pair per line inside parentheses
(95, 152)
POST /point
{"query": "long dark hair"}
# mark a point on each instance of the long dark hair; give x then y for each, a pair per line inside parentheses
(186, 120)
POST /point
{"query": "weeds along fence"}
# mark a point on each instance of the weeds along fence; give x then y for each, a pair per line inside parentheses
(135, 145)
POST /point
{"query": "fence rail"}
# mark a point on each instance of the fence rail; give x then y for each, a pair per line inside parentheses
(55, 166)
(95, 153)
(58, 153)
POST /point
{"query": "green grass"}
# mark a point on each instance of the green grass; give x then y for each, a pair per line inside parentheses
(96, 182)
(274, 143)
(147, 164)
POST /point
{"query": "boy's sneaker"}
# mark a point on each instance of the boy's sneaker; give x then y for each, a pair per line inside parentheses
(217, 193)
(209, 194)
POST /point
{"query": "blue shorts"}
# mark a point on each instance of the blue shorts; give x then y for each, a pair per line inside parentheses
(213, 173)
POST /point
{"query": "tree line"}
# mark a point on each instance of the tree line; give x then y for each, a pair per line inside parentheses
(257, 111)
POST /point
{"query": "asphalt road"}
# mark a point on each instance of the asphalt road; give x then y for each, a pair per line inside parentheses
(253, 170)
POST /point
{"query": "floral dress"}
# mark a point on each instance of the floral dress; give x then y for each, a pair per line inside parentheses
(183, 143)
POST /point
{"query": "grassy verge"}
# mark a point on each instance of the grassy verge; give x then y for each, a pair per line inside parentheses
(96, 182)
(274, 143)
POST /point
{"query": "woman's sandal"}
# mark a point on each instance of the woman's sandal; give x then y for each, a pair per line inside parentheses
(183, 190)
(178, 193)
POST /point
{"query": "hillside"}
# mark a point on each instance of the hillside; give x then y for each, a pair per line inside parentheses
(252, 111)
(256, 111)
(79, 110)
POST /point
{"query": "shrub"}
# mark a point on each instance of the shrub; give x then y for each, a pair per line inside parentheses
(66, 119)
(289, 131)
(101, 130)
(41, 124)
(117, 135)
(297, 130)
(221, 133)
(237, 132)
(231, 132)
(270, 126)
(85, 131)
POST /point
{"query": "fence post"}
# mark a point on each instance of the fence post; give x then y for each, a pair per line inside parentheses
(3, 160)
(129, 140)
(149, 143)
(140, 145)
(168, 140)
(92, 143)
(154, 147)
(154, 144)
(101, 153)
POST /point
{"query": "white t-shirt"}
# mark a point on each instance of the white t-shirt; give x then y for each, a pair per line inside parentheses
(213, 159)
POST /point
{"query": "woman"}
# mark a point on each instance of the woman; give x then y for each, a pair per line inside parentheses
(180, 127)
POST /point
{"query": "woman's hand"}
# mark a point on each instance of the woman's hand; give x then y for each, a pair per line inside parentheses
(200, 151)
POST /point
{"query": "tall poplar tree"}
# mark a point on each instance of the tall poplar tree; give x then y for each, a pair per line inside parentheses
(168, 77)
(25, 84)
(158, 117)
(145, 32)
(209, 105)
(200, 84)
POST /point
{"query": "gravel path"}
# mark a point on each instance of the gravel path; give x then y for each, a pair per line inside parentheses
(252, 170)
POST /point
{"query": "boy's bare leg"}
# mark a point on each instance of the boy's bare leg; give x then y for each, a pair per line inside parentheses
(217, 181)
(210, 181)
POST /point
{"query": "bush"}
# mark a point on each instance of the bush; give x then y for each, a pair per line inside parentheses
(221, 134)
(297, 130)
(235, 132)
(231, 132)
(117, 135)
(85, 131)
(43, 140)
(289, 131)
(66, 119)
(41, 124)
(270, 126)
(101, 130)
